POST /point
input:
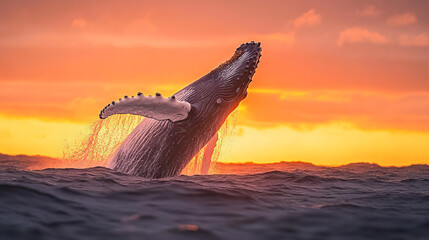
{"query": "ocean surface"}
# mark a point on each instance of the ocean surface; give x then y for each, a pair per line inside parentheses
(246, 201)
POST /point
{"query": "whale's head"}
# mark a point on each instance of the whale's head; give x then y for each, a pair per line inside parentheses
(216, 94)
(219, 92)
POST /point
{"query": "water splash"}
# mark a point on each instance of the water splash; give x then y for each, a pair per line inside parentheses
(221, 151)
(100, 140)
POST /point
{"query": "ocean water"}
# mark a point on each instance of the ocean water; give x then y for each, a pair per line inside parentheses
(241, 201)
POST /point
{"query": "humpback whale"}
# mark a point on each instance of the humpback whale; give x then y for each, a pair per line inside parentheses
(177, 127)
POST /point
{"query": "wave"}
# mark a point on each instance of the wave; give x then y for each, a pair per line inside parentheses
(297, 201)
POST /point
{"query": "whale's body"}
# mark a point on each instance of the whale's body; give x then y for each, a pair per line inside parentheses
(162, 148)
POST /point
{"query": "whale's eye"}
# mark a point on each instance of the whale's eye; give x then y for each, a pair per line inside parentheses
(218, 101)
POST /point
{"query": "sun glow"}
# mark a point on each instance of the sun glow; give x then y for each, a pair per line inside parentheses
(329, 145)
(334, 85)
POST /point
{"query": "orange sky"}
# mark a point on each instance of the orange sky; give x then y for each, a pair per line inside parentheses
(339, 81)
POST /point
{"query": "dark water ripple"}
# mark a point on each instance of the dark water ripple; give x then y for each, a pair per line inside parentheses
(321, 203)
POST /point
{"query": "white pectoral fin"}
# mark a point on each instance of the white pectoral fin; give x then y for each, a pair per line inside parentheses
(156, 107)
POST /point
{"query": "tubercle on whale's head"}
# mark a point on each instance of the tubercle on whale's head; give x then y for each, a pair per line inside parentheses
(250, 65)
(234, 76)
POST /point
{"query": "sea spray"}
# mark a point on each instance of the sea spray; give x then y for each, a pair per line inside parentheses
(101, 138)
(225, 136)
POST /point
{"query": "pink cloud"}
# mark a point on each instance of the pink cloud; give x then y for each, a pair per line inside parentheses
(358, 34)
(402, 19)
(419, 40)
(370, 11)
(141, 25)
(79, 23)
(309, 18)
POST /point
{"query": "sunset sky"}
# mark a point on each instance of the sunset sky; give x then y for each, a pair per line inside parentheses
(338, 82)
